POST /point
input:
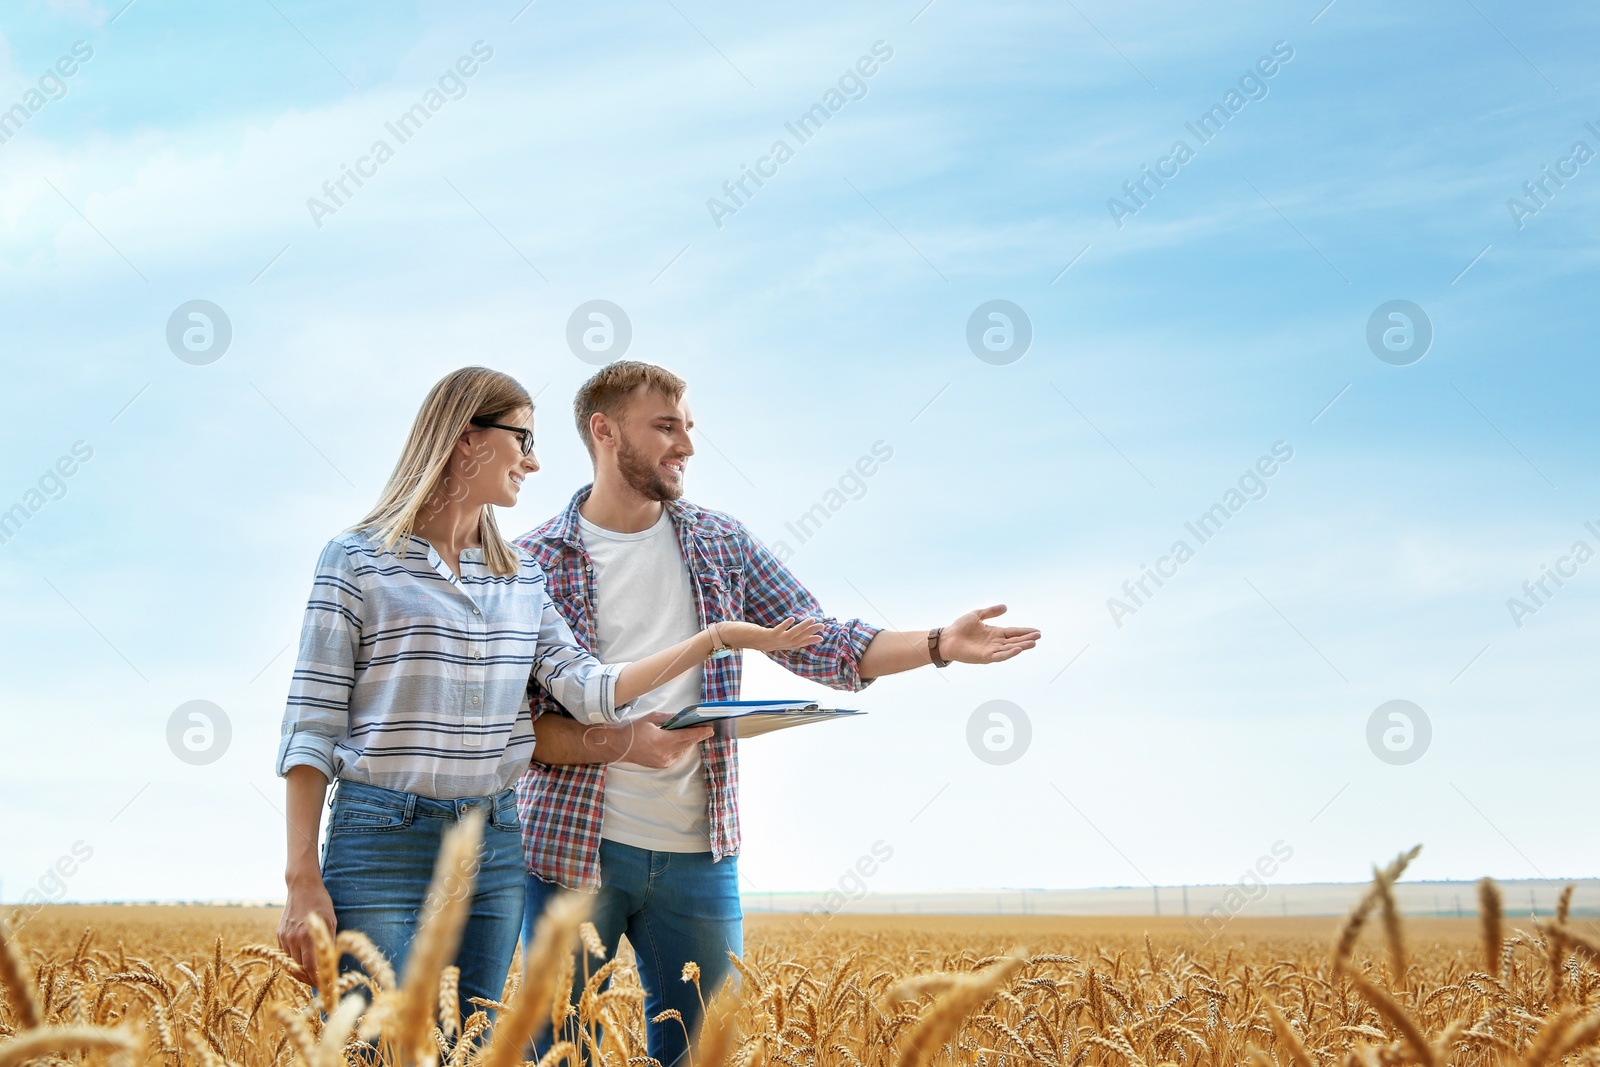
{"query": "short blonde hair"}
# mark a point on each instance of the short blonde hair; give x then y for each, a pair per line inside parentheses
(609, 389)
(447, 412)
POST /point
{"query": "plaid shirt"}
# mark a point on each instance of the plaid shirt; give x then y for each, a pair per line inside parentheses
(735, 577)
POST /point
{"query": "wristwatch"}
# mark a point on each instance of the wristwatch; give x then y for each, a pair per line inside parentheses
(933, 647)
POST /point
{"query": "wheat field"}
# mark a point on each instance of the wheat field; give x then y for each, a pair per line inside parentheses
(205, 987)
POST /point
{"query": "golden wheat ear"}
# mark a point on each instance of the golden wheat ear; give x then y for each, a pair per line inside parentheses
(964, 996)
(337, 1031)
(39, 1043)
(1392, 933)
(326, 957)
(444, 916)
(1351, 931)
(450, 1000)
(1577, 1037)
(561, 1052)
(1410, 1031)
(544, 964)
(1291, 1040)
(1489, 914)
(17, 981)
(372, 960)
(719, 1030)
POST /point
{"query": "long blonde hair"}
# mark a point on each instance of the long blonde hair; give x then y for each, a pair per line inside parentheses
(447, 413)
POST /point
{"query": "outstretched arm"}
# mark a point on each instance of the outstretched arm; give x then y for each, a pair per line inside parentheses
(853, 653)
(970, 639)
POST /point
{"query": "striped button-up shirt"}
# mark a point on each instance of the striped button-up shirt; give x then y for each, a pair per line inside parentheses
(414, 679)
(735, 577)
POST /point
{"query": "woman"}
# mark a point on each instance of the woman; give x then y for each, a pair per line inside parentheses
(411, 687)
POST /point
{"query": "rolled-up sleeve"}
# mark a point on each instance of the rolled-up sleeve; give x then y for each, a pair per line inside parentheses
(773, 593)
(317, 716)
(581, 684)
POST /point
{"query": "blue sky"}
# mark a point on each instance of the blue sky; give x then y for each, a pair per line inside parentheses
(829, 313)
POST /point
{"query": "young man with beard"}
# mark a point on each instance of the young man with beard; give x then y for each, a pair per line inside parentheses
(651, 821)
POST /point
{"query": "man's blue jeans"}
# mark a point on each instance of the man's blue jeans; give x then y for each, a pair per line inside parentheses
(675, 907)
(377, 863)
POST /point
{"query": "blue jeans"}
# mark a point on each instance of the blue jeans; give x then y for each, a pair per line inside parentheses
(675, 907)
(377, 863)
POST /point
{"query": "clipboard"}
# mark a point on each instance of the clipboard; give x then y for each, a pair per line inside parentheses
(752, 718)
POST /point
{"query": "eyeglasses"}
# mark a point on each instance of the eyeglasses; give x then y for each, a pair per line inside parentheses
(524, 435)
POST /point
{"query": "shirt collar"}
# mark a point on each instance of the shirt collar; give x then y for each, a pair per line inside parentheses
(684, 516)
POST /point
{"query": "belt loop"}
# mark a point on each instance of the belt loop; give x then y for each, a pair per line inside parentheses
(411, 808)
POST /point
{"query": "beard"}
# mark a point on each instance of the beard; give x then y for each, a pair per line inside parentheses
(642, 476)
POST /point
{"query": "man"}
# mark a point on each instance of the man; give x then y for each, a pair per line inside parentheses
(650, 817)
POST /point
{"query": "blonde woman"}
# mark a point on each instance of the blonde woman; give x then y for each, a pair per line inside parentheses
(411, 689)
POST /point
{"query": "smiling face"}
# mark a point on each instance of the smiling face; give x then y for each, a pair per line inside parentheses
(489, 465)
(653, 445)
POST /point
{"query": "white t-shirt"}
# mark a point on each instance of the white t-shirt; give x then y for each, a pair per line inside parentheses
(644, 602)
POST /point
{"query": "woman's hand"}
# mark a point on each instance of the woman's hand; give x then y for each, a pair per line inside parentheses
(788, 634)
(643, 675)
(307, 896)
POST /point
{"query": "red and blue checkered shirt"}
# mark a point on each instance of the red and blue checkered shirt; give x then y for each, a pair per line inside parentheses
(735, 577)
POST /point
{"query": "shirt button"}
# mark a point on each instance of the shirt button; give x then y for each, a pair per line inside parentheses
(475, 611)
(477, 654)
(474, 700)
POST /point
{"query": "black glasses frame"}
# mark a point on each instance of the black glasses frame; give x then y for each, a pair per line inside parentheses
(524, 435)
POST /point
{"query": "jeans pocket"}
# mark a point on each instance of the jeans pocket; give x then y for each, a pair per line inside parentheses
(503, 816)
(364, 815)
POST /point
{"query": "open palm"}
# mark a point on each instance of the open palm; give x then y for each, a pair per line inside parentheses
(970, 639)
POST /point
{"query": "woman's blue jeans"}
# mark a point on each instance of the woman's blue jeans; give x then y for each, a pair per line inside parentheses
(676, 908)
(378, 860)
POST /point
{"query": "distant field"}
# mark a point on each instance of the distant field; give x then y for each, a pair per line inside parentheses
(1036, 932)
(147, 927)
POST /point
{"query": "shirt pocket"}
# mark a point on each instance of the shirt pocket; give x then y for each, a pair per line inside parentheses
(564, 583)
(723, 590)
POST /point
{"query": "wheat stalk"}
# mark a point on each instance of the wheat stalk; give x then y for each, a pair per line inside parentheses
(560, 1051)
(16, 980)
(1291, 1040)
(298, 1032)
(1489, 912)
(1577, 1036)
(1358, 915)
(719, 1029)
(1383, 888)
(444, 915)
(325, 957)
(337, 1030)
(960, 999)
(372, 960)
(542, 968)
(41, 1041)
(1390, 1009)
